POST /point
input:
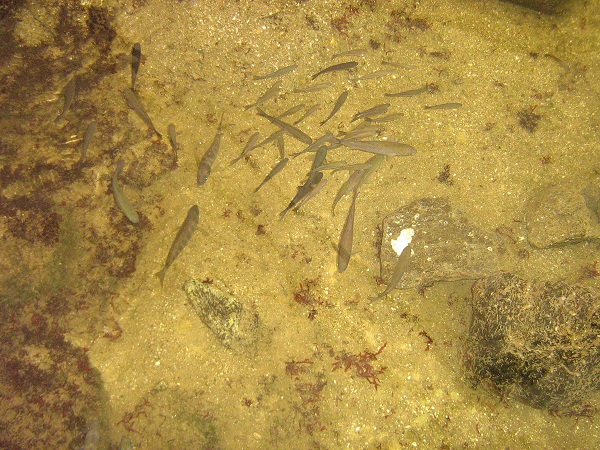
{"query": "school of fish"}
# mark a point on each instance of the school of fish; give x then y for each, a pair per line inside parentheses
(360, 138)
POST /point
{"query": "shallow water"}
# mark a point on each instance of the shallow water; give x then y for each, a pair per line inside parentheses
(527, 119)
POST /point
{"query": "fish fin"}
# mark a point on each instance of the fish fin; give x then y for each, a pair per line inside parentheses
(161, 276)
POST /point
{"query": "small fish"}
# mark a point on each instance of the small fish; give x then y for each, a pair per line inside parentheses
(399, 270)
(398, 65)
(327, 138)
(380, 147)
(336, 67)
(363, 130)
(311, 193)
(320, 156)
(333, 166)
(290, 129)
(274, 171)
(374, 163)
(338, 104)
(411, 92)
(374, 111)
(87, 140)
(135, 103)
(272, 92)
(302, 192)
(374, 75)
(451, 105)
(349, 167)
(384, 119)
(277, 73)
(136, 59)
(122, 202)
(250, 145)
(181, 240)
(272, 138)
(346, 238)
(281, 146)
(313, 88)
(69, 95)
(313, 109)
(207, 161)
(349, 185)
(291, 111)
(173, 138)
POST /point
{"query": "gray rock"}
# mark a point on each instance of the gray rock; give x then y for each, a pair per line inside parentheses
(234, 325)
(445, 246)
(558, 215)
(536, 341)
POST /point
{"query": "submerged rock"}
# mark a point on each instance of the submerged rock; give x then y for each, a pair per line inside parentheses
(234, 325)
(445, 246)
(536, 341)
(559, 215)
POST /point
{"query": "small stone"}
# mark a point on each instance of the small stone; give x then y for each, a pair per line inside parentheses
(559, 215)
(235, 326)
(445, 247)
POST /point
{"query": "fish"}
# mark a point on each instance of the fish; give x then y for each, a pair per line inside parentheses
(397, 274)
(69, 95)
(87, 140)
(374, 75)
(181, 240)
(281, 146)
(292, 110)
(273, 137)
(336, 67)
(207, 161)
(302, 192)
(274, 171)
(341, 165)
(122, 202)
(320, 156)
(311, 193)
(350, 184)
(451, 105)
(250, 145)
(333, 166)
(277, 73)
(328, 137)
(362, 130)
(278, 135)
(374, 163)
(346, 238)
(272, 92)
(136, 59)
(411, 92)
(313, 109)
(288, 128)
(135, 103)
(173, 137)
(398, 65)
(374, 111)
(388, 148)
(338, 104)
(388, 118)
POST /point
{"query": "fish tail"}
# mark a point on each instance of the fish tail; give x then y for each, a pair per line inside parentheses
(161, 275)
